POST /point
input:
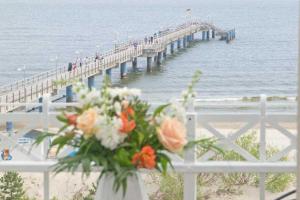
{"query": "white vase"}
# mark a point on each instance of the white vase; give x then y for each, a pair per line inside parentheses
(135, 189)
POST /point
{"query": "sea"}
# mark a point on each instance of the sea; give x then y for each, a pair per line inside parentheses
(261, 60)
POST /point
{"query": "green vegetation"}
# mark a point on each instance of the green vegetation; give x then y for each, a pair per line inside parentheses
(171, 186)
(11, 187)
(89, 196)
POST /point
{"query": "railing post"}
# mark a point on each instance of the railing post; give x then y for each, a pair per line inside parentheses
(46, 186)
(46, 143)
(262, 146)
(190, 179)
(45, 111)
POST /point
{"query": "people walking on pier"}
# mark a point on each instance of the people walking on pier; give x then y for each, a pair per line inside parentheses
(96, 57)
(74, 66)
(70, 66)
(80, 62)
(135, 45)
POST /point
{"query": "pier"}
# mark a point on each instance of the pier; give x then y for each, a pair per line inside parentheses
(153, 48)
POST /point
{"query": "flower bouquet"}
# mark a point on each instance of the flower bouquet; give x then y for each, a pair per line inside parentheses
(113, 129)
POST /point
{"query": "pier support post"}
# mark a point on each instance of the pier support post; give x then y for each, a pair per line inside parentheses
(123, 70)
(149, 60)
(91, 82)
(207, 35)
(9, 127)
(203, 35)
(184, 42)
(190, 38)
(40, 101)
(108, 73)
(178, 44)
(158, 59)
(172, 48)
(233, 33)
(134, 64)
(165, 53)
(69, 94)
(213, 35)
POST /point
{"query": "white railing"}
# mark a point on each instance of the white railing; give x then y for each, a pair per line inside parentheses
(190, 165)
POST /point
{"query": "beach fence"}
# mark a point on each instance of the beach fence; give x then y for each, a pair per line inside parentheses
(199, 124)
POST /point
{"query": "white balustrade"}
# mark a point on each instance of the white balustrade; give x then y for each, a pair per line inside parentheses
(190, 166)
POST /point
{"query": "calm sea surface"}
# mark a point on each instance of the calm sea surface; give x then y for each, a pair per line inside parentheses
(262, 59)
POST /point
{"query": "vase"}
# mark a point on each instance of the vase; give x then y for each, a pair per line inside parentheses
(135, 189)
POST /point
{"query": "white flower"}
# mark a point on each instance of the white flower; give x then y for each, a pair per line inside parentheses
(177, 110)
(123, 92)
(108, 132)
(118, 107)
(92, 96)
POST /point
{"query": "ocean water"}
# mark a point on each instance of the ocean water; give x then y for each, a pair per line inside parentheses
(262, 59)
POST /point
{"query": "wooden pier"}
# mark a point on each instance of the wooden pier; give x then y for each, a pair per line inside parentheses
(50, 82)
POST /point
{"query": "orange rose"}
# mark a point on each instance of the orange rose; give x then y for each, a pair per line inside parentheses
(127, 124)
(129, 111)
(146, 158)
(87, 121)
(172, 134)
(72, 119)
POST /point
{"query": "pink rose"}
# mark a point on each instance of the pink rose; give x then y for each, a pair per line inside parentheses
(172, 134)
(87, 121)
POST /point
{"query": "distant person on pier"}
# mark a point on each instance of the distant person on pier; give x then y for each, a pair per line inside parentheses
(96, 57)
(135, 45)
(70, 67)
(151, 39)
(80, 62)
(74, 66)
(145, 40)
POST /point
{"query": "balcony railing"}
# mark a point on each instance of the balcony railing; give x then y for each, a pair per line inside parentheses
(257, 117)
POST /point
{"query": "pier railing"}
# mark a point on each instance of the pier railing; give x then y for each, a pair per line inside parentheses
(49, 82)
(198, 123)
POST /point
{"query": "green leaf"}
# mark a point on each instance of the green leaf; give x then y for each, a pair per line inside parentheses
(62, 118)
(206, 144)
(40, 138)
(159, 109)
